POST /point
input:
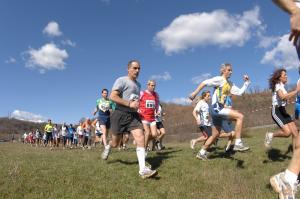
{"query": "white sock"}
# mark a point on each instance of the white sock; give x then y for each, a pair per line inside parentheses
(140, 152)
(238, 141)
(202, 152)
(290, 177)
(107, 146)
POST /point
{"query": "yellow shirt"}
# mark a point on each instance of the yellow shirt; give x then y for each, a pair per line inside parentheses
(48, 128)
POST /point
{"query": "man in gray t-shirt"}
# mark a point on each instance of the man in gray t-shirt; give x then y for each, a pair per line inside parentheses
(128, 90)
(125, 118)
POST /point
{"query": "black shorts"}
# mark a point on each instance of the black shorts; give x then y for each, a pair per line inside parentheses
(206, 130)
(122, 121)
(159, 125)
(280, 116)
(49, 136)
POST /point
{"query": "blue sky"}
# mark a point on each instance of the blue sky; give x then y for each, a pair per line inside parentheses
(57, 55)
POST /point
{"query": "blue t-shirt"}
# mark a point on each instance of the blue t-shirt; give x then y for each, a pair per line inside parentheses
(71, 130)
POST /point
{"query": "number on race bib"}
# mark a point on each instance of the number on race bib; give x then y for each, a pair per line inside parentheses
(150, 104)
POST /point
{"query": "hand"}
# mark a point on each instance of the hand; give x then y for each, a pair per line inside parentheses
(246, 78)
(192, 96)
(198, 122)
(134, 104)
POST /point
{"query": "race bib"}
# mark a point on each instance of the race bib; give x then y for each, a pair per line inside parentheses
(104, 107)
(150, 104)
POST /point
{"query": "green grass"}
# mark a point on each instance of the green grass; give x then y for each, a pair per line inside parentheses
(29, 172)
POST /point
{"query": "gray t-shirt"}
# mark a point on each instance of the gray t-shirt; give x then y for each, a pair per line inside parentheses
(128, 89)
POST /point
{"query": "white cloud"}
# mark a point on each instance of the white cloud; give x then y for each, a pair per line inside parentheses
(27, 116)
(52, 29)
(11, 60)
(68, 42)
(267, 41)
(282, 55)
(181, 101)
(48, 57)
(165, 76)
(218, 28)
(200, 78)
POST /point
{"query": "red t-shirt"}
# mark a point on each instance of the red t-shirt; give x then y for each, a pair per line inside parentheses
(148, 104)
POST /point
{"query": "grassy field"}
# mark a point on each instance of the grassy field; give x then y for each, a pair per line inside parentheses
(29, 172)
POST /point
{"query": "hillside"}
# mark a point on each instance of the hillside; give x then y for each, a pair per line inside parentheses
(179, 122)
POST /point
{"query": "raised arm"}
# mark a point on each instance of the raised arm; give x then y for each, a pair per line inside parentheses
(240, 91)
(215, 81)
(195, 92)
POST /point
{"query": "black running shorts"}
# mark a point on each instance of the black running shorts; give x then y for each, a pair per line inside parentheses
(280, 116)
(159, 125)
(206, 130)
(122, 121)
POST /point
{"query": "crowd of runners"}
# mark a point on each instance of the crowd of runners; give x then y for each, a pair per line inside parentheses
(86, 135)
(128, 110)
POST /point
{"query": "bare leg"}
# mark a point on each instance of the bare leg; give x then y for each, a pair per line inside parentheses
(238, 117)
(147, 134)
(104, 134)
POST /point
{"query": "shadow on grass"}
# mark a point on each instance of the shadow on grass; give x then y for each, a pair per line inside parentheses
(123, 162)
(154, 161)
(228, 155)
(157, 160)
(275, 155)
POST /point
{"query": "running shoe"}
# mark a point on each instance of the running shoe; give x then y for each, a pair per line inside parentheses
(240, 147)
(147, 173)
(284, 189)
(268, 140)
(202, 157)
(192, 144)
(105, 152)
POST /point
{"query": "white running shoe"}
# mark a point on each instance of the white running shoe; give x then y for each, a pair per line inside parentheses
(147, 173)
(268, 140)
(240, 147)
(201, 157)
(105, 152)
(284, 189)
